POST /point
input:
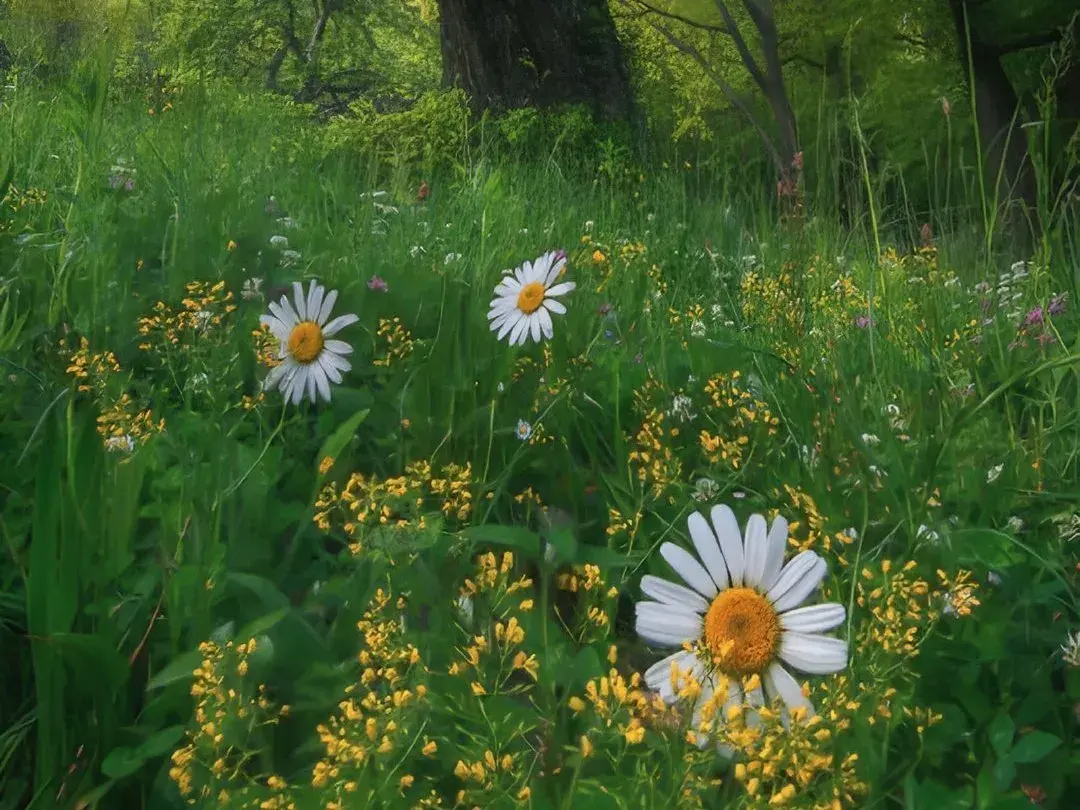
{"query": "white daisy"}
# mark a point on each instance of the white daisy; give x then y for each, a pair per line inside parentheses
(739, 617)
(309, 360)
(525, 299)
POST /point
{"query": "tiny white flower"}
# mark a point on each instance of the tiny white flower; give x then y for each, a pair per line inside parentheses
(290, 258)
(450, 258)
(589, 224)
(716, 312)
(682, 409)
(252, 289)
(851, 532)
(524, 430)
(1070, 650)
(524, 231)
(1068, 527)
(926, 533)
(465, 610)
(870, 439)
(993, 577)
(288, 223)
(697, 329)
(705, 490)
(1015, 524)
(525, 301)
(416, 251)
(202, 320)
(650, 217)
(120, 444)
(994, 473)
(280, 242)
(892, 409)
(500, 387)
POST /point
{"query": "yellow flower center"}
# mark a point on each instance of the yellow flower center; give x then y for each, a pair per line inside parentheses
(306, 342)
(742, 631)
(531, 297)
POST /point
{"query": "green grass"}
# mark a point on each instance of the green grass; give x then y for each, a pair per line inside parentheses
(117, 566)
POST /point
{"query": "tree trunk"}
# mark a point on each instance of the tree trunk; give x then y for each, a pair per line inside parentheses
(1004, 143)
(518, 53)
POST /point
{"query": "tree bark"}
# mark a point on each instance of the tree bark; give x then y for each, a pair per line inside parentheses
(1003, 142)
(518, 53)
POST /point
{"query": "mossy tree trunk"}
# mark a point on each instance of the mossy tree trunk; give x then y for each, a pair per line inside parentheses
(516, 53)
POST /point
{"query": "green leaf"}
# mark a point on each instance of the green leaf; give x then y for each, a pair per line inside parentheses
(1004, 773)
(564, 543)
(605, 557)
(1001, 733)
(1034, 746)
(124, 761)
(179, 669)
(260, 587)
(512, 536)
(341, 437)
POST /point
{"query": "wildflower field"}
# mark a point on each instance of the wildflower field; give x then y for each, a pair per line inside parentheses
(330, 488)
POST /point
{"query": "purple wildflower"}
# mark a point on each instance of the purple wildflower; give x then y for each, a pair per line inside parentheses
(864, 321)
(1034, 318)
(377, 284)
(1058, 304)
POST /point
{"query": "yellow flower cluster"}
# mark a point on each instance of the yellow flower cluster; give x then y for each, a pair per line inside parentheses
(960, 592)
(495, 661)
(214, 761)
(15, 201)
(381, 715)
(588, 619)
(121, 423)
(772, 304)
(901, 610)
(397, 339)
(91, 371)
(614, 702)
(266, 346)
(618, 524)
(652, 456)
(734, 414)
(400, 502)
(203, 308)
(811, 533)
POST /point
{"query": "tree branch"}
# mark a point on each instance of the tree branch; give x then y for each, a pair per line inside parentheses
(740, 44)
(720, 29)
(724, 87)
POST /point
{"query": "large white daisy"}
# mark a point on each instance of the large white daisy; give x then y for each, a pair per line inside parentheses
(526, 298)
(310, 361)
(739, 616)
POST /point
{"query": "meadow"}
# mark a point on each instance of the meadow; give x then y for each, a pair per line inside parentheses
(423, 567)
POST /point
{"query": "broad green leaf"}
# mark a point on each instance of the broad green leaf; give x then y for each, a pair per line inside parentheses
(341, 437)
(124, 761)
(1034, 746)
(1001, 733)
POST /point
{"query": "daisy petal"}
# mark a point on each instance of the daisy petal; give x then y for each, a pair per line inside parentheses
(658, 676)
(327, 307)
(284, 312)
(666, 626)
(314, 300)
(774, 557)
(691, 571)
(814, 618)
(800, 584)
(534, 327)
(708, 687)
(329, 369)
(554, 306)
(339, 323)
(671, 593)
(337, 347)
(755, 545)
(795, 569)
(780, 683)
(298, 299)
(546, 326)
(322, 382)
(813, 654)
(708, 549)
(560, 289)
(727, 532)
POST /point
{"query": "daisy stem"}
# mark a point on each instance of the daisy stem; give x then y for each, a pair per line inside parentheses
(491, 439)
(229, 490)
